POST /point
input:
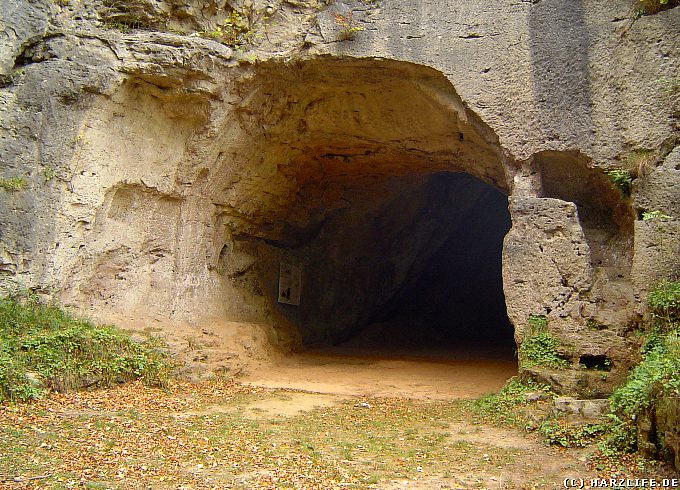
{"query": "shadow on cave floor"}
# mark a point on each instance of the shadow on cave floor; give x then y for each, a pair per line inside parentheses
(400, 340)
(367, 365)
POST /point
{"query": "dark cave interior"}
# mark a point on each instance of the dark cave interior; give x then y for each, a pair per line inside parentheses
(409, 266)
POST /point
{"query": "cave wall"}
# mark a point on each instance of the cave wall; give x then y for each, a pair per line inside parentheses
(166, 175)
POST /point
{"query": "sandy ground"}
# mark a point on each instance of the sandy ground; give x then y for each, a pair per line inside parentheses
(325, 378)
(372, 374)
(364, 366)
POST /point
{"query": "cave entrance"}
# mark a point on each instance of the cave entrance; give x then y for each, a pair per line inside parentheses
(409, 267)
(374, 183)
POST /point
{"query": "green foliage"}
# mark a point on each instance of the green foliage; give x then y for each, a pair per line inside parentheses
(656, 214)
(664, 304)
(658, 375)
(238, 28)
(13, 184)
(537, 323)
(502, 407)
(561, 433)
(622, 180)
(518, 404)
(539, 348)
(44, 347)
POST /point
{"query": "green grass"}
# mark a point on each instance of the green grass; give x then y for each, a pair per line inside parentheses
(43, 347)
(13, 184)
(505, 407)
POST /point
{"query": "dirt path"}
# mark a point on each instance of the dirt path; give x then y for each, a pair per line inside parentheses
(468, 454)
(485, 456)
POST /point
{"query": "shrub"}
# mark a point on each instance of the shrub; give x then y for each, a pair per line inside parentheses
(44, 347)
(657, 376)
(622, 180)
(539, 348)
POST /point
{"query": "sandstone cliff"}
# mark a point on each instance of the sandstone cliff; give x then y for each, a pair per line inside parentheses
(160, 159)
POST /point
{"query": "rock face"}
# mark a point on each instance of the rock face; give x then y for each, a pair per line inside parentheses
(163, 174)
(580, 411)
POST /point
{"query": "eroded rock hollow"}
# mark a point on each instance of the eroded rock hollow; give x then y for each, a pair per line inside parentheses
(358, 172)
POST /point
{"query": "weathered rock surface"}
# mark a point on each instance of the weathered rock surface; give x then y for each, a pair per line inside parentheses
(658, 430)
(574, 410)
(167, 175)
(546, 261)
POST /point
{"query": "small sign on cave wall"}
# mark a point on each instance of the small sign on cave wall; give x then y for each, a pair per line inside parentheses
(290, 284)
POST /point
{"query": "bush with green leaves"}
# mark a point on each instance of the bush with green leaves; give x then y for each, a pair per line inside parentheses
(43, 347)
(622, 180)
(656, 376)
(539, 348)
